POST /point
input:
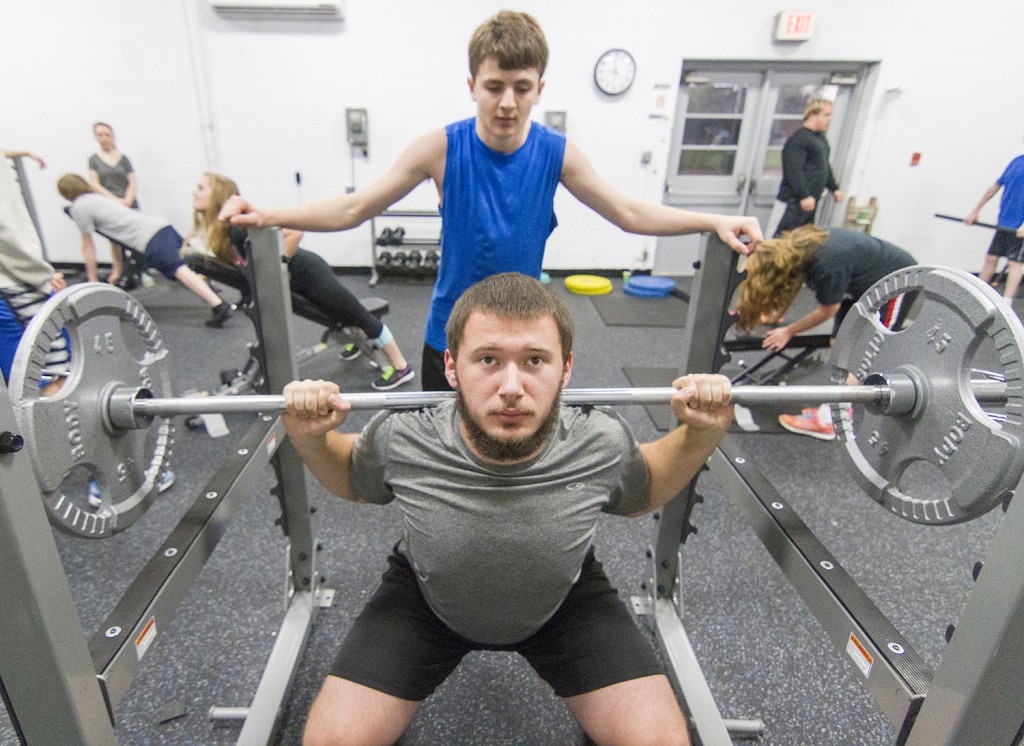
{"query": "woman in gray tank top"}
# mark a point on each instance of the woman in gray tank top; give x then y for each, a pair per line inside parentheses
(111, 174)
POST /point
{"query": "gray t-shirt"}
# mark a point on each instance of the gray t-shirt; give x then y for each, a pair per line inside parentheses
(112, 178)
(131, 228)
(497, 548)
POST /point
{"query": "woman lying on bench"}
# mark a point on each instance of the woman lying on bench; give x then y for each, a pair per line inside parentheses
(309, 275)
(146, 234)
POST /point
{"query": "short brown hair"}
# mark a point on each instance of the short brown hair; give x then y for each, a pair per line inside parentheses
(514, 39)
(815, 106)
(73, 186)
(510, 295)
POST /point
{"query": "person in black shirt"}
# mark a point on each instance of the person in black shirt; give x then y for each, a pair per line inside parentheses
(806, 172)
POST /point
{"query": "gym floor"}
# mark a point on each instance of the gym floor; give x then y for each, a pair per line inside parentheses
(763, 653)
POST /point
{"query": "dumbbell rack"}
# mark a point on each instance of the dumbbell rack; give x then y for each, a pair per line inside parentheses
(376, 246)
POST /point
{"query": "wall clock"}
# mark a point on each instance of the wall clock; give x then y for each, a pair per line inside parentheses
(614, 72)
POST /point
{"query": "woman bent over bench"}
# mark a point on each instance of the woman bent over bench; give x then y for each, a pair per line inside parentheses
(838, 265)
(147, 234)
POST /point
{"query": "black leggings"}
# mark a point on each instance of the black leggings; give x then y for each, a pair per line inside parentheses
(312, 278)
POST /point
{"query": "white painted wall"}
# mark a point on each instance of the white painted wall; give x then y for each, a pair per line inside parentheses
(957, 66)
(187, 90)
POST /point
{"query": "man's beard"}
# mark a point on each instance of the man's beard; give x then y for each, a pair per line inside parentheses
(507, 450)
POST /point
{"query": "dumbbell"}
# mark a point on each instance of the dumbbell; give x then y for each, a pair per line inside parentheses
(414, 263)
(430, 262)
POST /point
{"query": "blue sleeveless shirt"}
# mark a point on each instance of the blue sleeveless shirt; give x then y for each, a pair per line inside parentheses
(497, 213)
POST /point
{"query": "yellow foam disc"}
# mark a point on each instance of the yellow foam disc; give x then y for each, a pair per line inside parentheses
(588, 284)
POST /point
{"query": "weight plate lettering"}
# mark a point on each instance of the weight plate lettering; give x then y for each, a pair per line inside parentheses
(980, 458)
(113, 342)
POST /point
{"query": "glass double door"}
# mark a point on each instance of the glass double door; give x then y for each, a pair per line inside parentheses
(726, 154)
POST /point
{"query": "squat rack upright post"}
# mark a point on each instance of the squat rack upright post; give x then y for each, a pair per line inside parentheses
(974, 694)
(30, 203)
(47, 678)
(58, 689)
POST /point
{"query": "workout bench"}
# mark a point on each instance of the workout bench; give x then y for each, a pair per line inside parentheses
(242, 278)
(134, 262)
(794, 353)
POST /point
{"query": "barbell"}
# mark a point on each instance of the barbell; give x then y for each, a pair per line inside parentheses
(922, 401)
(128, 407)
(979, 224)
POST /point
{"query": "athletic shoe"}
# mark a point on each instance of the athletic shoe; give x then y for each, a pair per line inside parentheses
(350, 352)
(390, 378)
(95, 498)
(221, 313)
(808, 423)
(166, 481)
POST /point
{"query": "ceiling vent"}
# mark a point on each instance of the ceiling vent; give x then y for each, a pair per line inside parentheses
(323, 10)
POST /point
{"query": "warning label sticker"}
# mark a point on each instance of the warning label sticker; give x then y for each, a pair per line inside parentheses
(145, 638)
(859, 654)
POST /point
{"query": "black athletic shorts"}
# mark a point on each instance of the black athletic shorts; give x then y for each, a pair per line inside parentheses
(1008, 245)
(398, 646)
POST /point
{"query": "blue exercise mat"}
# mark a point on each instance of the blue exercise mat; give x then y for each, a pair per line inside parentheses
(643, 292)
(646, 286)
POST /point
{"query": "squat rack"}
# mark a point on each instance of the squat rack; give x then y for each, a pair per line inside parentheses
(59, 688)
(974, 694)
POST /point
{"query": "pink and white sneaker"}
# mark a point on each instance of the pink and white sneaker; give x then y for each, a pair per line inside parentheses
(809, 422)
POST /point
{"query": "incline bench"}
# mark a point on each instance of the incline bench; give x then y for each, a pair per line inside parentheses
(794, 353)
(241, 279)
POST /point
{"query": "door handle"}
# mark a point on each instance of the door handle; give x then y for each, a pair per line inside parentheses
(740, 183)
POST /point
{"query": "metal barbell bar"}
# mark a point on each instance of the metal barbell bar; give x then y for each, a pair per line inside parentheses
(931, 409)
(135, 407)
(978, 223)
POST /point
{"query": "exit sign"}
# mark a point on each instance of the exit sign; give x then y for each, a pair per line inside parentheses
(794, 25)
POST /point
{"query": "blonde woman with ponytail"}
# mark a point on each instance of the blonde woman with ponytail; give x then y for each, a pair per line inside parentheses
(209, 235)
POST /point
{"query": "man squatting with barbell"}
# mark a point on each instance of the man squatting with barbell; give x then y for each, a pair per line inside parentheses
(500, 491)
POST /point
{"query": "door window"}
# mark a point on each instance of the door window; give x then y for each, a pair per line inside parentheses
(732, 119)
(787, 118)
(711, 138)
(711, 135)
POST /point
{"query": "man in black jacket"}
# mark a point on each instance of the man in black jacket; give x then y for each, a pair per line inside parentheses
(806, 172)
